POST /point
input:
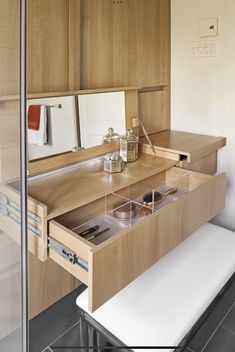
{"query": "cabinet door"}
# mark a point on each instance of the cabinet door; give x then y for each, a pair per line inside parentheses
(125, 43)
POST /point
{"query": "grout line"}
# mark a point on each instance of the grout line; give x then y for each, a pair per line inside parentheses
(228, 330)
(210, 338)
(190, 349)
(71, 327)
(45, 349)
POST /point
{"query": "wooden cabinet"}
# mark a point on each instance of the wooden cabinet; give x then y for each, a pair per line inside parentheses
(61, 203)
(125, 43)
(84, 44)
(48, 46)
(193, 151)
(88, 44)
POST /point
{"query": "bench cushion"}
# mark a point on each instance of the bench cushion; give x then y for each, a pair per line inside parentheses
(162, 305)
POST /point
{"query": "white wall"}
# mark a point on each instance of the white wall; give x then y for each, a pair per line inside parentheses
(203, 89)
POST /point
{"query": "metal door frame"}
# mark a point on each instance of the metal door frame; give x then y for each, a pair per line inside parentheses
(23, 175)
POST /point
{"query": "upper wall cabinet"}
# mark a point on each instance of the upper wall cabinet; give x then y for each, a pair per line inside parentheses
(48, 45)
(53, 45)
(124, 43)
(83, 44)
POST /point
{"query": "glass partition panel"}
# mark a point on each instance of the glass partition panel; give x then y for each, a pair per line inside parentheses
(11, 234)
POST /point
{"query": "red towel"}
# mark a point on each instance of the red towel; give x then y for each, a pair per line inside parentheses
(34, 117)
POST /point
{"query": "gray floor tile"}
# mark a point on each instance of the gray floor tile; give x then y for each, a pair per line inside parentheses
(70, 338)
(53, 322)
(229, 321)
(222, 341)
(207, 329)
(229, 295)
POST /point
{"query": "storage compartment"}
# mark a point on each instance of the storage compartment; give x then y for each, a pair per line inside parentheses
(62, 191)
(128, 247)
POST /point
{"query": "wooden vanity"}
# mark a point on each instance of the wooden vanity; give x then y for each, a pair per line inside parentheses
(65, 199)
(69, 190)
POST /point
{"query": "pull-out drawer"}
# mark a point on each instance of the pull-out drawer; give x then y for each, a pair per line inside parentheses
(110, 261)
(61, 191)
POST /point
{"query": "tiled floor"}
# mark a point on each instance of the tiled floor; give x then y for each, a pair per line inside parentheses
(56, 321)
(59, 327)
(217, 334)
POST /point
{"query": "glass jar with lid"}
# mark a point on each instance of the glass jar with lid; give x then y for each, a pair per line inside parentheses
(111, 136)
(129, 146)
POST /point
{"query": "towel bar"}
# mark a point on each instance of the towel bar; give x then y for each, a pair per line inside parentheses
(57, 106)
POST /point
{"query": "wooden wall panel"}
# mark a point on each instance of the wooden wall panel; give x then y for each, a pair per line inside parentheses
(9, 7)
(97, 44)
(124, 43)
(154, 111)
(48, 283)
(9, 47)
(148, 42)
(9, 85)
(74, 44)
(48, 45)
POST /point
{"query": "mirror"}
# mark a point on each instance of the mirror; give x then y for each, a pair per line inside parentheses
(99, 112)
(69, 123)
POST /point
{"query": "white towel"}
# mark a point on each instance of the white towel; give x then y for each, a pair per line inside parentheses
(39, 137)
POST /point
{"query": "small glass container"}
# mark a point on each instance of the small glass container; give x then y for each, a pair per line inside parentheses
(111, 136)
(129, 147)
(113, 163)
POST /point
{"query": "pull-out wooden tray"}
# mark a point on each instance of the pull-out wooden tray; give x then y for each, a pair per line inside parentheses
(57, 193)
(119, 259)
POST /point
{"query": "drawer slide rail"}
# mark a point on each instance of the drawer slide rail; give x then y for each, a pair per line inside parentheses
(5, 211)
(67, 254)
(7, 202)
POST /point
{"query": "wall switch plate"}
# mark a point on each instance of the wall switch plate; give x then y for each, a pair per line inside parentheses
(135, 122)
(203, 49)
(209, 27)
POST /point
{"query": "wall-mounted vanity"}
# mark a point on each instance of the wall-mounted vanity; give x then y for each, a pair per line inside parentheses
(68, 196)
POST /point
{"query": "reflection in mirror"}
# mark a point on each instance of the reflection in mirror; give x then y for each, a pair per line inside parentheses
(69, 123)
(98, 113)
(52, 126)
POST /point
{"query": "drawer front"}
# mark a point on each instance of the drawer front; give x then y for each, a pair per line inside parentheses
(146, 149)
(10, 219)
(63, 241)
(205, 165)
(116, 264)
(113, 264)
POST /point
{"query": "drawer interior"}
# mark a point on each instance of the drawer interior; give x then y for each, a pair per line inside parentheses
(108, 213)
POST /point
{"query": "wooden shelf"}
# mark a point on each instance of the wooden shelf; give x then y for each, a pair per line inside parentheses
(182, 144)
(80, 92)
(64, 192)
(9, 97)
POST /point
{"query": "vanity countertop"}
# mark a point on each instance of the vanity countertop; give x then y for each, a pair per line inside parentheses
(191, 145)
(66, 191)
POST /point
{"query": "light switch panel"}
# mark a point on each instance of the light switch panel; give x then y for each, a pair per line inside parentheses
(209, 27)
(203, 49)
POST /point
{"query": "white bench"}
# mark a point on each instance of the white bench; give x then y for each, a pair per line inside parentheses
(163, 304)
